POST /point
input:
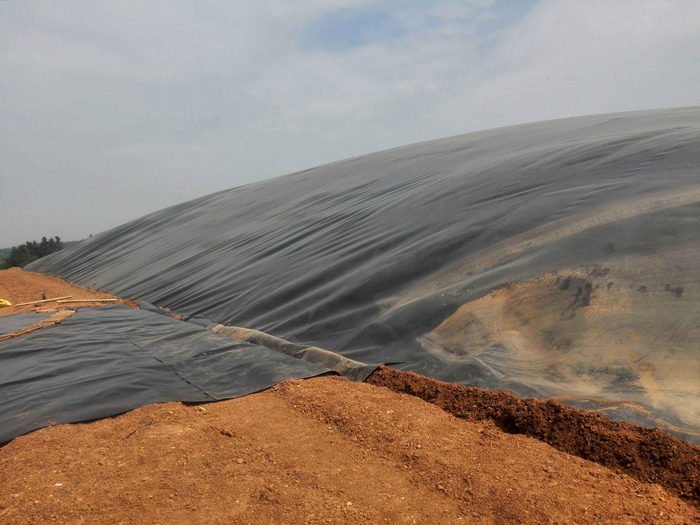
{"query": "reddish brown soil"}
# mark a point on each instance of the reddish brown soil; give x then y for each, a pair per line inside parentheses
(18, 286)
(649, 455)
(318, 451)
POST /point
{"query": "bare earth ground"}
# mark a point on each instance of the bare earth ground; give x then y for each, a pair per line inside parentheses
(18, 286)
(327, 450)
(318, 451)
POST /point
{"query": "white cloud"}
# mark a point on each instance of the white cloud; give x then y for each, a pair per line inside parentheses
(112, 110)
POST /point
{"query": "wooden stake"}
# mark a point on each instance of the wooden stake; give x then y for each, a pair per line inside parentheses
(44, 301)
(87, 301)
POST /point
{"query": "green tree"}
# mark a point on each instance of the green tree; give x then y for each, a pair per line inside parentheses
(30, 251)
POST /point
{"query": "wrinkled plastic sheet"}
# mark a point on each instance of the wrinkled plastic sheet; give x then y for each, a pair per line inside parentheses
(556, 259)
(105, 361)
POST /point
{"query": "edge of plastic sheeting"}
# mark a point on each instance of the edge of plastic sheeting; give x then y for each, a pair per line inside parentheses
(349, 368)
(106, 361)
(20, 320)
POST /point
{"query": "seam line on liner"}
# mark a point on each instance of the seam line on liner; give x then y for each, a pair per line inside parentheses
(171, 366)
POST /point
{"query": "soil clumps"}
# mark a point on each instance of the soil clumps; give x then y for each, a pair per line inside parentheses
(647, 454)
(323, 450)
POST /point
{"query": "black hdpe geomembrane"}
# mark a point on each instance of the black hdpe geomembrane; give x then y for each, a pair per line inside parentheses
(105, 361)
(13, 323)
(556, 259)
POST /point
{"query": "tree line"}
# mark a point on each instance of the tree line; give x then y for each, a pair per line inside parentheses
(30, 251)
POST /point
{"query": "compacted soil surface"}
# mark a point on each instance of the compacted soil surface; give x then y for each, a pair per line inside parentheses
(18, 286)
(323, 450)
(647, 454)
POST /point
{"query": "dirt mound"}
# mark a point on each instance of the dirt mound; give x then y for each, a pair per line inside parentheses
(649, 455)
(19, 286)
(323, 450)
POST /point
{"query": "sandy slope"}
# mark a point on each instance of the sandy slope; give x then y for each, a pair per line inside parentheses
(318, 451)
(18, 286)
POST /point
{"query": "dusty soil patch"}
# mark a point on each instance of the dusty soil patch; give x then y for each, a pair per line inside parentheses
(621, 334)
(18, 286)
(318, 451)
(649, 455)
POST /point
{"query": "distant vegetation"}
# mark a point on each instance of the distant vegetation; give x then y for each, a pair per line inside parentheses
(30, 251)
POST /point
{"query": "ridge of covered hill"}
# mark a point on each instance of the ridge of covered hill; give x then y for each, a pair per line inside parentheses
(551, 259)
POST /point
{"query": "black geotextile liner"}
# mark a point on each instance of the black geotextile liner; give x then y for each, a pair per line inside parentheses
(104, 361)
(555, 259)
(12, 323)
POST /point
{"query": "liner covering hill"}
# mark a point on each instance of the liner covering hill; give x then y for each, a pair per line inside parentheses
(555, 259)
(105, 361)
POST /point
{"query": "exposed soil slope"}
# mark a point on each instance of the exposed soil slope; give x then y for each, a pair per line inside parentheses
(318, 451)
(649, 455)
(18, 286)
(619, 336)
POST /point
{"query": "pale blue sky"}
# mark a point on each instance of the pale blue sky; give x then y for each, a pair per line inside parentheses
(110, 110)
(348, 28)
